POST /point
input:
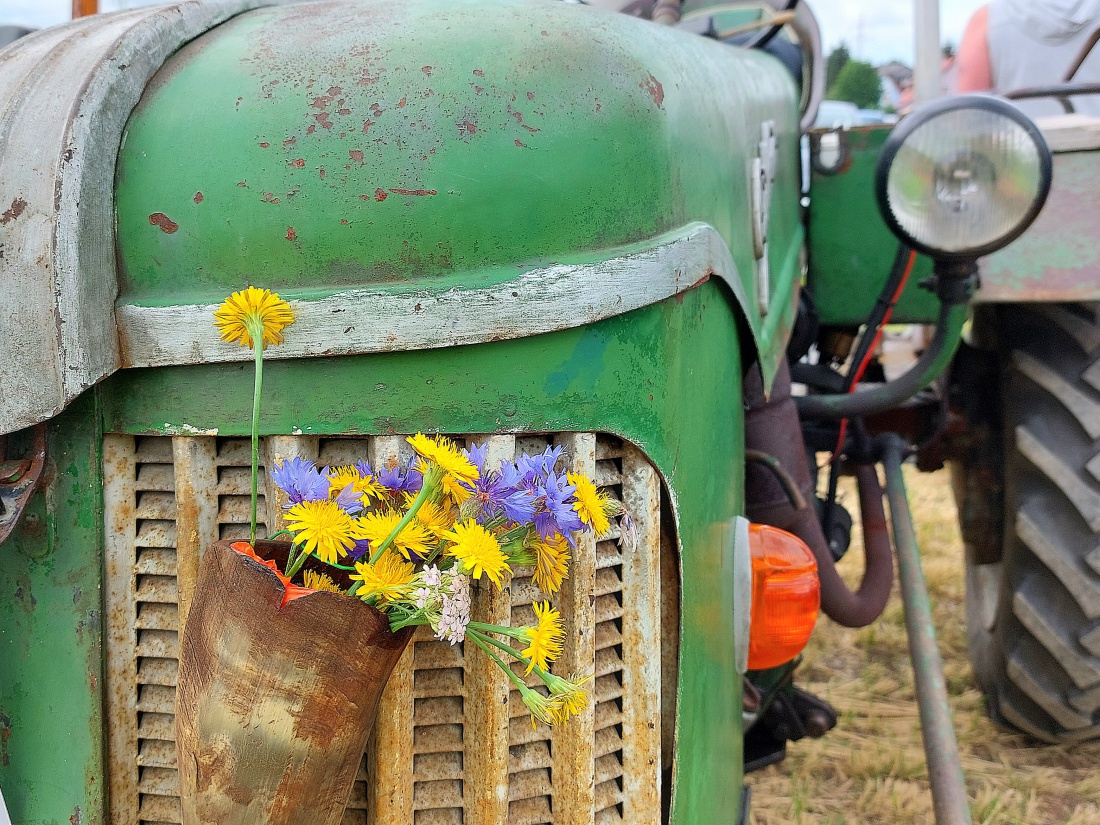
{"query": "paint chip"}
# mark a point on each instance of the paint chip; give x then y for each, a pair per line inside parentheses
(167, 225)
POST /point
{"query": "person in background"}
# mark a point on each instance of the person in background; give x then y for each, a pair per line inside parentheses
(1012, 44)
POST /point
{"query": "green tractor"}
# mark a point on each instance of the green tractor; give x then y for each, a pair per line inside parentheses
(524, 223)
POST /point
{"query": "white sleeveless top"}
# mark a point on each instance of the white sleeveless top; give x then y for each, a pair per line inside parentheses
(1033, 42)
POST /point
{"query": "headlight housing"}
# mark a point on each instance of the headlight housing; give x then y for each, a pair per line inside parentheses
(962, 177)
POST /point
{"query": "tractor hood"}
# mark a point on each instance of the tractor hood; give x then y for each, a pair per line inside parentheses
(409, 174)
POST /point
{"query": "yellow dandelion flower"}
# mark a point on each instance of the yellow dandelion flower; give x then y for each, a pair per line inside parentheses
(545, 637)
(435, 518)
(339, 478)
(323, 528)
(545, 709)
(413, 538)
(591, 505)
(453, 491)
(478, 550)
(551, 563)
(457, 468)
(253, 314)
(320, 581)
(371, 487)
(572, 697)
(389, 578)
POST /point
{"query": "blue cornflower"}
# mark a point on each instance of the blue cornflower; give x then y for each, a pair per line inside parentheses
(541, 465)
(397, 481)
(553, 512)
(476, 455)
(360, 549)
(495, 494)
(300, 479)
(350, 500)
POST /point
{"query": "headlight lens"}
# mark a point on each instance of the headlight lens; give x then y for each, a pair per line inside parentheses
(963, 176)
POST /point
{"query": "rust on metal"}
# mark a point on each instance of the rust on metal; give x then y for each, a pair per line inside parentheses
(1056, 260)
(14, 211)
(641, 632)
(120, 583)
(198, 197)
(166, 224)
(433, 746)
(196, 500)
(772, 428)
(417, 192)
(487, 714)
(652, 86)
(574, 745)
(258, 684)
(291, 234)
(18, 482)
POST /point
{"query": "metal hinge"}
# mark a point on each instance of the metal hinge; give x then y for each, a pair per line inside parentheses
(19, 478)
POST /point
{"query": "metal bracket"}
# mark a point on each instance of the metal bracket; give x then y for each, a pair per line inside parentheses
(19, 478)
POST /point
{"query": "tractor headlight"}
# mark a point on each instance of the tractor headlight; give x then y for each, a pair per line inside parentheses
(963, 176)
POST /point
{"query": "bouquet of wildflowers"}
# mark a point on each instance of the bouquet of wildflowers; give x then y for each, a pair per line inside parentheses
(412, 539)
(416, 537)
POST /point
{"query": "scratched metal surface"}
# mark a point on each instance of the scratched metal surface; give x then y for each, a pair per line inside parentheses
(67, 93)
(423, 146)
(1058, 258)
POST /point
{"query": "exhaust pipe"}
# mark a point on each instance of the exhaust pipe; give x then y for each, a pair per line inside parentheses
(772, 428)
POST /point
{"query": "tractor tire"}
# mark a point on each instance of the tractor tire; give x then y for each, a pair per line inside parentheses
(1033, 603)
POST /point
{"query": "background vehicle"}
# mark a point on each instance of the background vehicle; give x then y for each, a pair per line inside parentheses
(566, 226)
(837, 114)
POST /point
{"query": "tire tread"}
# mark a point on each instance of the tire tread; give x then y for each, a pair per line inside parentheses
(1042, 672)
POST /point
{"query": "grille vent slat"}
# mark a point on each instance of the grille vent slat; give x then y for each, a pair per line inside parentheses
(435, 764)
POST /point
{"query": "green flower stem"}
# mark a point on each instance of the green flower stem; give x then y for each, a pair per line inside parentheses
(511, 651)
(517, 633)
(480, 640)
(414, 508)
(291, 557)
(299, 561)
(259, 351)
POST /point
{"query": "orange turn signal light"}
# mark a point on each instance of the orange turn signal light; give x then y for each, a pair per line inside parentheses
(786, 595)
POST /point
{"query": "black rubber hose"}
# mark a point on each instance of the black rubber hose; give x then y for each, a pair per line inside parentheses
(931, 363)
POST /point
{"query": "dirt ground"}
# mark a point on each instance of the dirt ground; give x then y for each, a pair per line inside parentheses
(870, 769)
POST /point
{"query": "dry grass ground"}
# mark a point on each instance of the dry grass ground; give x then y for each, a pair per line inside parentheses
(870, 768)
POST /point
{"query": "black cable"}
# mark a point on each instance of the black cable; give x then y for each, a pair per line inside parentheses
(765, 37)
(874, 321)
(882, 306)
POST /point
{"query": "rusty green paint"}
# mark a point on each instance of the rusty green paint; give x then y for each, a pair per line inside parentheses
(51, 654)
(315, 148)
(1058, 258)
(629, 375)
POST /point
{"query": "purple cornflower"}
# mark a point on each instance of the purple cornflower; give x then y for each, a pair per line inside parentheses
(541, 465)
(300, 479)
(553, 512)
(360, 549)
(502, 492)
(350, 500)
(476, 455)
(397, 481)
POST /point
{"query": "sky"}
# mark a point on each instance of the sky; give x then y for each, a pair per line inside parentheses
(875, 30)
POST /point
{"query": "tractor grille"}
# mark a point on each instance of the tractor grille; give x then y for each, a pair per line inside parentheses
(451, 743)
